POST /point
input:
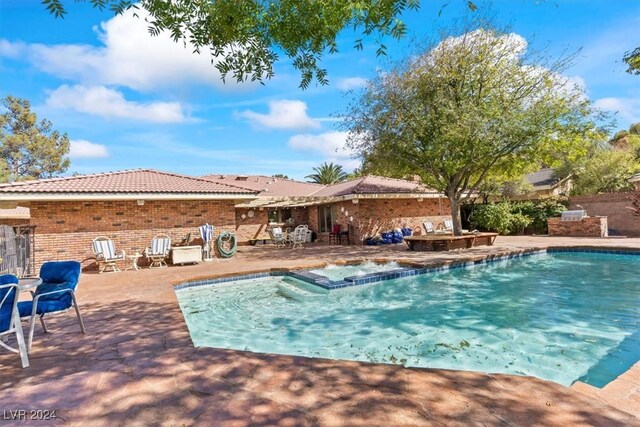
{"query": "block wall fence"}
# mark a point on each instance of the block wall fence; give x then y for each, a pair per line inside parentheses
(614, 207)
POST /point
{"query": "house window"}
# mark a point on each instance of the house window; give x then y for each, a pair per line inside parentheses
(325, 218)
(279, 215)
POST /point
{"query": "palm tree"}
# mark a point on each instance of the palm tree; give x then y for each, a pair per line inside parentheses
(327, 173)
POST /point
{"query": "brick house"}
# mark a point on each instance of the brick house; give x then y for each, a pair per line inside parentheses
(132, 206)
(129, 207)
(364, 206)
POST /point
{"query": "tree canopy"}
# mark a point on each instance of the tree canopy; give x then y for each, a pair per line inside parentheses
(246, 37)
(327, 173)
(29, 149)
(473, 105)
(633, 61)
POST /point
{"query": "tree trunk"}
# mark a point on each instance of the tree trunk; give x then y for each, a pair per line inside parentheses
(454, 200)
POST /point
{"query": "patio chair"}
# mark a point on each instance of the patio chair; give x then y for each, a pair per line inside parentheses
(277, 237)
(56, 294)
(428, 227)
(159, 250)
(334, 235)
(299, 236)
(9, 318)
(106, 255)
(448, 225)
(345, 234)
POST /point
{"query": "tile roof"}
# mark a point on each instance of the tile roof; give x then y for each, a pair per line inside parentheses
(268, 185)
(127, 181)
(373, 185)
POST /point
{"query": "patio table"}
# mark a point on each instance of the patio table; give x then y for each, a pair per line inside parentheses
(29, 283)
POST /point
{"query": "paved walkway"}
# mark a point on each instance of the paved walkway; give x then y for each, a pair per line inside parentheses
(137, 366)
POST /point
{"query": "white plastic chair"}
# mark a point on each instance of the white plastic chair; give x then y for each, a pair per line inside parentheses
(299, 236)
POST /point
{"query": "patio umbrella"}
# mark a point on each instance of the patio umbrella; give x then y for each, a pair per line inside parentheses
(206, 232)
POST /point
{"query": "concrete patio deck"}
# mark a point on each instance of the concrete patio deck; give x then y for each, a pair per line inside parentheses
(137, 366)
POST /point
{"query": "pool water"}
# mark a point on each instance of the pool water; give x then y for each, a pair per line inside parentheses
(335, 272)
(558, 316)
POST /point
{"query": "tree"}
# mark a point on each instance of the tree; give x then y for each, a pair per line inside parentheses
(473, 105)
(29, 149)
(245, 37)
(280, 175)
(633, 61)
(327, 173)
(607, 170)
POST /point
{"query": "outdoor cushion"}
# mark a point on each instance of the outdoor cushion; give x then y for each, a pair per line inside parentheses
(60, 272)
(7, 305)
(160, 246)
(105, 247)
(57, 275)
(43, 307)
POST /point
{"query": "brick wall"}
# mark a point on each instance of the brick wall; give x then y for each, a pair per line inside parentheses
(65, 230)
(371, 216)
(249, 228)
(613, 206)
(588, 227)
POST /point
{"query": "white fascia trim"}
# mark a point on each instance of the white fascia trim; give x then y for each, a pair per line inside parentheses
(46, 197)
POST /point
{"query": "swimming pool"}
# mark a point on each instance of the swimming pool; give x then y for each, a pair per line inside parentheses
(558, 316)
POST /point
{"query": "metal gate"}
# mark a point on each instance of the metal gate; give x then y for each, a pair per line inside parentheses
(16, 250)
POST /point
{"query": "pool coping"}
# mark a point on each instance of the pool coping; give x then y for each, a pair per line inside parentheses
(407, 268)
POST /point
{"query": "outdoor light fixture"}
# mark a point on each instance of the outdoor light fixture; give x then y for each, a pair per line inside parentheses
(355, 201)
(140, 202)
(420, 199)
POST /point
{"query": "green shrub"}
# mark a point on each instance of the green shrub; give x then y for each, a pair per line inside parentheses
(493, 217)
(516, 217)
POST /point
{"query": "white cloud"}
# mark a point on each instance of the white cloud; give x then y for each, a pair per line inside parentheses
(627, 108)
(329, 144)
(129, 56)
(284, 114)
(104, 102)
(349, 83)
(81, 148)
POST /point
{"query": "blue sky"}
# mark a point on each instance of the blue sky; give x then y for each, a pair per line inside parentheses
(128, 100)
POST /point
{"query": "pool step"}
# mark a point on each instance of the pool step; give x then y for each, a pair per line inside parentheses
(300, 291)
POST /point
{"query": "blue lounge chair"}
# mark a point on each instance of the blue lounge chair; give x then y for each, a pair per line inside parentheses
(9, 319)
(55, 294)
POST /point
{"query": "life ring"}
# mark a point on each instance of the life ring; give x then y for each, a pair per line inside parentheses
(227, 244)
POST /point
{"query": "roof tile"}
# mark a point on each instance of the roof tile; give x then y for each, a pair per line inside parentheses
(127, 181)
(267, 185)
